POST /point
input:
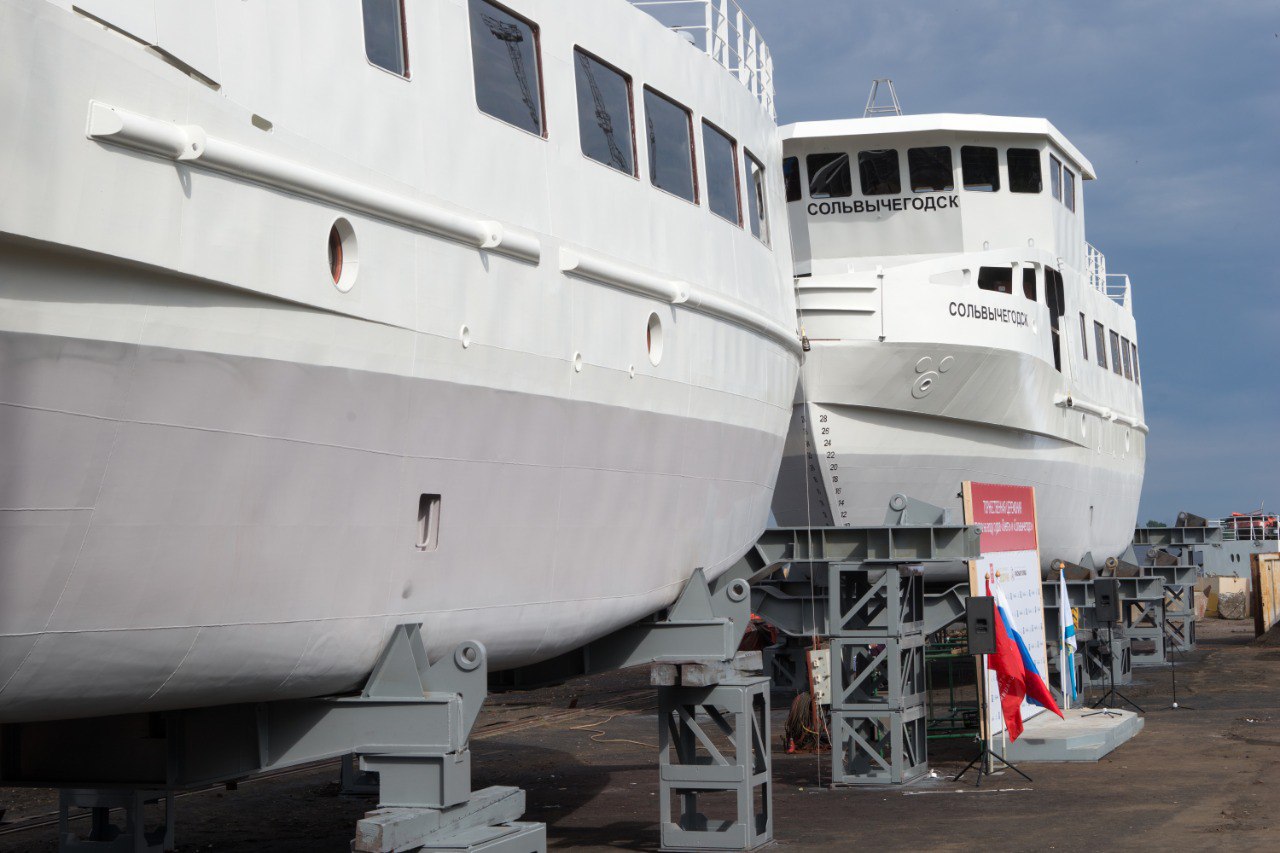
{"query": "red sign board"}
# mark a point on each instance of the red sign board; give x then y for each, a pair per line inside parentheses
(1006, 514)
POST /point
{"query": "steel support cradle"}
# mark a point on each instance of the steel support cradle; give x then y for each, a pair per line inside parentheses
(879, 747)
(410, 724)
(713, 717)
(862, 590)
(713, 744)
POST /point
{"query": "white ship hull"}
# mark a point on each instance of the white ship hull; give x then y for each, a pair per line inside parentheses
(213, 459)
(1087, 486)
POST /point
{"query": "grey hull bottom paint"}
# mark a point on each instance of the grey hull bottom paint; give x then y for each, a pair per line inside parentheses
(1086, 503)
(182, 528)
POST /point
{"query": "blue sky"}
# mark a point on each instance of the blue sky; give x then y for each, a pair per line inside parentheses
(1177, 104)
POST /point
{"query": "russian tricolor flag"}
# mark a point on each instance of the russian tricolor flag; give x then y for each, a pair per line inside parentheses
(1015, 671)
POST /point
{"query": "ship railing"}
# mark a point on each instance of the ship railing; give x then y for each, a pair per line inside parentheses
(1096, 264)
(1114, 287)
(723, 32)
(1251, 527)
(1118, 290)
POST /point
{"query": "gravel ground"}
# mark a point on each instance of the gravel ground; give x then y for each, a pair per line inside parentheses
(1197, 779)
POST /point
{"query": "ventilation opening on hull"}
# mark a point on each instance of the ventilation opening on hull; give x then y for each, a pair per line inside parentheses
(428, 522)
(653, 339)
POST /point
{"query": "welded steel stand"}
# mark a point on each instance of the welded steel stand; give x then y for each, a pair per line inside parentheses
(862, 589)
(424, 786)
(131, 836)
(713, 714)
(410, 725)
(715, 741)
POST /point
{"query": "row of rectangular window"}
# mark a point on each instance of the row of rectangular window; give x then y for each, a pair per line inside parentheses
(507, 67)
(930, 169)
(1124, 353)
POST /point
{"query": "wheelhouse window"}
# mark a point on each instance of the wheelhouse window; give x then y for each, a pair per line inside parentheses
(1055, 176)
(1029, 283)
(879, 173)
(1117, 367)
(829, 175)
(384, 38)
(506, 62)
(720, 155)
(1137, 374)
(1084, 336)
(1024, 170)
(999, 279)
(1069, 189)
(980, 168)
(791, 177)
(930, 169)
(1100, 344)
(605, 118)
(669, 128)
(1124, 354)
(757, 206)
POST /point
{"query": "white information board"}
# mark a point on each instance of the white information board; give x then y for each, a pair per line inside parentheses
(1011, 562)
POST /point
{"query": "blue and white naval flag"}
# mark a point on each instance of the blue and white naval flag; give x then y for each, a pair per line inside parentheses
(1068, 640)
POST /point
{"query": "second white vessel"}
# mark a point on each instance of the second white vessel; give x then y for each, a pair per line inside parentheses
(960, 328)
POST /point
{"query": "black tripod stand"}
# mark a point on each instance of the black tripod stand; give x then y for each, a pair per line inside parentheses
(1173, 672)
(986, 757)
(1111, 694)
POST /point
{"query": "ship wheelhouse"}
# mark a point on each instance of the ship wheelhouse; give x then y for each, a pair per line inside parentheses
(931, 185)
(991, 205)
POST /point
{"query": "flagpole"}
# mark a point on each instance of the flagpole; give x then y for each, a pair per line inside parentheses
(991, 735)
(1064, 613)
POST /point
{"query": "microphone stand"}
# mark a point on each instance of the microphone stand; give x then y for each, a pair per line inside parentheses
(985, 753)
(1173, 671)
(1112, 693)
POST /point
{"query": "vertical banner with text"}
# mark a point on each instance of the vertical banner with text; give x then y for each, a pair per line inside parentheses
(1010, 561)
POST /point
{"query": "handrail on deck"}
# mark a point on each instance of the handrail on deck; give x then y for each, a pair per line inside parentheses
(723, 32)
(1114, 286)
(1257, 526)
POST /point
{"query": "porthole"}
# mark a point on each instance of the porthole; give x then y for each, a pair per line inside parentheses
(1127, 433)
(577, 362)
(653, 339)
(343, 255)
(1084, 425)
(464, 335)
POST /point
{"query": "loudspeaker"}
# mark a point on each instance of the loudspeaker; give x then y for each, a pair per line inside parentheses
(1106, 600)
(980, 614)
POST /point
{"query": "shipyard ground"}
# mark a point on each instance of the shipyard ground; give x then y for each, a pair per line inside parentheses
(1200, 779)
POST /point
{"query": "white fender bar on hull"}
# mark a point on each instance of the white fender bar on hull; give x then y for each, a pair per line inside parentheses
(1066, 401)
(676, 292)
(190, 143)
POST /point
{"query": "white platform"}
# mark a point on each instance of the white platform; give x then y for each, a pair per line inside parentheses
(1076, 738)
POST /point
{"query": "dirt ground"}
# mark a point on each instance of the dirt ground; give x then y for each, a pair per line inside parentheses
(1203, 777)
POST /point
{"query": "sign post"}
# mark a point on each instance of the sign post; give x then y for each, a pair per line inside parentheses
(1010, 563)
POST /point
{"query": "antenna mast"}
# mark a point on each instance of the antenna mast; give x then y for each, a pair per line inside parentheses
(874, 109)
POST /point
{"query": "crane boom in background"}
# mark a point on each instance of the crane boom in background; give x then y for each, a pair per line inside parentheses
(511, 34)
